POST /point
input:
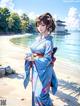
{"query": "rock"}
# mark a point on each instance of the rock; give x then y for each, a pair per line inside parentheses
(2, 71)
(8, 70)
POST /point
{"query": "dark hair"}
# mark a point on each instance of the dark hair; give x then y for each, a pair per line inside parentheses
(48, 20)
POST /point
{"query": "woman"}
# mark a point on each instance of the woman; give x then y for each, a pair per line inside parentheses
(40, 59)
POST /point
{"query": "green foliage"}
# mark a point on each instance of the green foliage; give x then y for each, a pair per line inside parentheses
(10, 22)
(13, 23)
(4, 14)
(24, 22)
(25, 17)
(31, 27)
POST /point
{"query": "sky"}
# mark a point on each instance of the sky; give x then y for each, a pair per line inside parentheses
(66, 10)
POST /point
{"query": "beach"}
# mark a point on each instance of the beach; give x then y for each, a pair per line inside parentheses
(11, 87)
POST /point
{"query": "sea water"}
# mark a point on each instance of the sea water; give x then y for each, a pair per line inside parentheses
(68, 45)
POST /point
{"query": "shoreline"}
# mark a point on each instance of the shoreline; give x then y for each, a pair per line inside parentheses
(13, 55)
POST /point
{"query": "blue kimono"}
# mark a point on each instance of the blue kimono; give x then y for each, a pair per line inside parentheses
(43, 75)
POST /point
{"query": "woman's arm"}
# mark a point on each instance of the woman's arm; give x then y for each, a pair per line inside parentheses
(44, 61)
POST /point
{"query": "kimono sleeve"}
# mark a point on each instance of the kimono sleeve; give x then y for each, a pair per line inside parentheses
(44, 61)
(27, 73)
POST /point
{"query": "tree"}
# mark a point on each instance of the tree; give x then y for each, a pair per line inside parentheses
(14, 23)
(25, 17)
(10, 22)
(24, 22)
(4, 14)
(31, 27)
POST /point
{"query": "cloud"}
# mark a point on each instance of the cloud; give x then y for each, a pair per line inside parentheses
(7, 3)
(73, 19)
(19, 11)
(32, 15)
(55, 16)
(10, 5)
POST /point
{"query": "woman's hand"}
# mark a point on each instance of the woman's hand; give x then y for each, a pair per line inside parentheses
(29, 58)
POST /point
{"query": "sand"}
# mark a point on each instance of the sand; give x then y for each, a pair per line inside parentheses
(11, 87)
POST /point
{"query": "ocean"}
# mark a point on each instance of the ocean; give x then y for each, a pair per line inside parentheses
(68, 45)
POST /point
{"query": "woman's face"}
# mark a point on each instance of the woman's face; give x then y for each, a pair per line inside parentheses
(42, 28)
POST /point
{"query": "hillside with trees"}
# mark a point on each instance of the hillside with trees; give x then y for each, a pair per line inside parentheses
(12, 23)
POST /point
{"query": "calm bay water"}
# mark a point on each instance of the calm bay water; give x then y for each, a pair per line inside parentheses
(68, 45)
